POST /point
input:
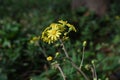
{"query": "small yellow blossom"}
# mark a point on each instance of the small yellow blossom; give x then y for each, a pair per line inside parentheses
(53, 34)
(49, 58)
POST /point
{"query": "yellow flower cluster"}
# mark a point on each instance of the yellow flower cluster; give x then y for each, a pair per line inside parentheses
(56, 31)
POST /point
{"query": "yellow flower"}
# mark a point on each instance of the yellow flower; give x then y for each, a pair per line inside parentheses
(53, 34)
(49, 58)
(54, 26)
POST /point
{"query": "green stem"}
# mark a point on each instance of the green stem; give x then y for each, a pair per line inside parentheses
(71, 61)
(95, 74)
(64, 77)
(81, 64)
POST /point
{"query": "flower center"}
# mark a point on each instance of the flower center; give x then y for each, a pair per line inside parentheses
(53, 32)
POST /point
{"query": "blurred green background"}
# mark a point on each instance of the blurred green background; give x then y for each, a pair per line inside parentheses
(20, 20)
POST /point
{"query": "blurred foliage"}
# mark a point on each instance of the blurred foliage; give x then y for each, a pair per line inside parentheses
(24, 19)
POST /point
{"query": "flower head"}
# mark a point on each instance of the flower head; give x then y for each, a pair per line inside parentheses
(54, 34)
(49, 58)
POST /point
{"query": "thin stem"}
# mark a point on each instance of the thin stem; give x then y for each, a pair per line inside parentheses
(78, 69)
(81, 64)
(95, 74)
(42, 48)
(71, 61)
(64, 49)
(64, 77)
